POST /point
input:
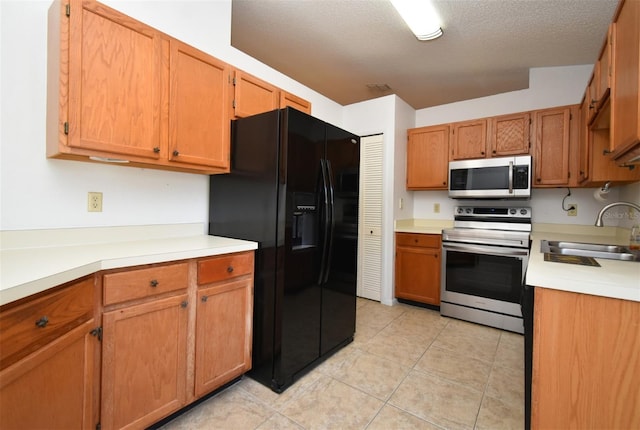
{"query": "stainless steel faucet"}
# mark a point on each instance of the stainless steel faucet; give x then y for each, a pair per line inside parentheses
(609, 206)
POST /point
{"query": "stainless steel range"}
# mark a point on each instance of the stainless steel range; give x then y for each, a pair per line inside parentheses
(484, 262)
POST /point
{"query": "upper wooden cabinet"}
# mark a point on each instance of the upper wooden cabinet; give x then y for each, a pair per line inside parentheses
(106, 83)
(288, 99)
(252, 95)
(625, 83)
(551, 146)
(491, 137)
(509, 134)
(468, 139)
(428, 158)
(120, 90)
(599, 87)
(199, 130)
(595, 166)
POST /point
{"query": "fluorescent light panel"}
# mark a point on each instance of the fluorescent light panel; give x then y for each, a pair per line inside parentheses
(421, 17)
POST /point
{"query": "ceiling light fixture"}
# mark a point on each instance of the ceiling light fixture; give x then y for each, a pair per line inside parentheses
(421, 17)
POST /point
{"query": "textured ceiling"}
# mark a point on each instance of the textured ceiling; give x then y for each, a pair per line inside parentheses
(338, 47)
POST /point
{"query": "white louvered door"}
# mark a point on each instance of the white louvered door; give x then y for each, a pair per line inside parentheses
(370, 216)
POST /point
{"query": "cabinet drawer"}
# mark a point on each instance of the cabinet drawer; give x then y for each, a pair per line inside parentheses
(422, 240)
(140, 283)
(29, 326)
(224, 267)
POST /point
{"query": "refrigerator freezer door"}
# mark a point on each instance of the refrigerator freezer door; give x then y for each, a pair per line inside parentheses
(298, 301)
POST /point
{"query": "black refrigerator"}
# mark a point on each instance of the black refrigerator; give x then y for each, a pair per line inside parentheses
(293, 189)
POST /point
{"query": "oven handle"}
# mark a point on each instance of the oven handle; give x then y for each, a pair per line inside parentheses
(479, 249)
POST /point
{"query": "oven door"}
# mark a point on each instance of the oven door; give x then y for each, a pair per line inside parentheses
(484, 276)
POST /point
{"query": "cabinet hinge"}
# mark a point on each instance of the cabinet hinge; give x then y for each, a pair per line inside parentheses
(233, 104)
(570, 116)
(67, 10)
(234, 81)
(66, 128)
(97, 332)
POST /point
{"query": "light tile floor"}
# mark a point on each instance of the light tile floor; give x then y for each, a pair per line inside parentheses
(407, 368)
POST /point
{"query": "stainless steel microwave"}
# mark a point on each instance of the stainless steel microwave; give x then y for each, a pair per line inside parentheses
(491, 178)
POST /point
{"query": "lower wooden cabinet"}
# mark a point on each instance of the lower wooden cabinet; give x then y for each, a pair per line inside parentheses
(418, 258)
(586, 365)
(128, 347)
(51, 380)
(173, 333)
(144, 363)
(223, 334)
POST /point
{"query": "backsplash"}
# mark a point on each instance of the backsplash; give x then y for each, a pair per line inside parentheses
(546, 205)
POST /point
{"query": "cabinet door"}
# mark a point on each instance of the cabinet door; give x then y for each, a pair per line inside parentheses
(418, 274)
(253, 95)
(509, 134)
(223, 334)
(428, 158)
(199, 126)
(584, 146)
(551, 146)
(144, 362)
(625, 85)
(586, 365)
(114, 82)
(288, 99)
(53, 388)
(469, 140)
(603, 67)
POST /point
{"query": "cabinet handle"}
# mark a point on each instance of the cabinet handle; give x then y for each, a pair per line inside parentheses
(494, 151)
(184, 304)
(156, 149)
(230, 269)
(481, 152)
(42, 322)
(204, 298)
(176, 153)
(538, 179)
(154, 283)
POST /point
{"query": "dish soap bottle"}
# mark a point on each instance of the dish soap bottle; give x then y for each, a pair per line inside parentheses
(634, 238)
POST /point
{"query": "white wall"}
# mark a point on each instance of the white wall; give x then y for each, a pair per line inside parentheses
(40, 193)
(548, 87)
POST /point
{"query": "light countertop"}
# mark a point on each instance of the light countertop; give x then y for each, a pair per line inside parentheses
(615, 279)
(34, 261)
(424, 226)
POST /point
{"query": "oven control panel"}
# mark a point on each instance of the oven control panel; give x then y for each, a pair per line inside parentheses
(483, 212)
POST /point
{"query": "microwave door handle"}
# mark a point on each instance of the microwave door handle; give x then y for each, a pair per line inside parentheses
(510, 177)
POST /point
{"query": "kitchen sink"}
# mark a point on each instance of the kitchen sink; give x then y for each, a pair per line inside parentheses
(596, 250)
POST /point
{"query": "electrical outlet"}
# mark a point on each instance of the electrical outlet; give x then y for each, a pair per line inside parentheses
(94, 202)
(436, 208)
(573, 210)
